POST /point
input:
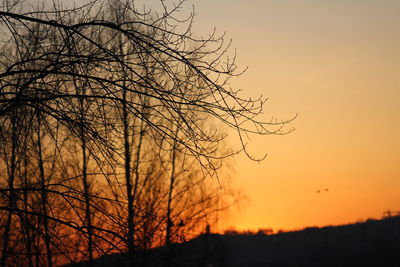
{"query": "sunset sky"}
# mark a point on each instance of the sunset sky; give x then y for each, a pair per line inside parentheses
(337, 65)
(120, 131)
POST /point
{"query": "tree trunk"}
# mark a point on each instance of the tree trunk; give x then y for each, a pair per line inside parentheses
(137, 176)
(127, 158)
(86, 185)
(171, 189)
(26, 223)
(11, 202)
(43, 193)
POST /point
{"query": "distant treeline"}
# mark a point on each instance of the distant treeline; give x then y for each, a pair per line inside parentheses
(369, 243)
(270, 231)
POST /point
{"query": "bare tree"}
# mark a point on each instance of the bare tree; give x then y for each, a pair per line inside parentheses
(131, 90)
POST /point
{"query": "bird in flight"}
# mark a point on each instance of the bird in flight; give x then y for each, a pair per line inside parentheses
(319, 191)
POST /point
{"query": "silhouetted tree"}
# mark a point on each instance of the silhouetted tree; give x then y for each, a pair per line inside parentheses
(133, 91)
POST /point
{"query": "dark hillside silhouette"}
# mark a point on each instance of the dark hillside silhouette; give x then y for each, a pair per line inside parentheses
(371, 243)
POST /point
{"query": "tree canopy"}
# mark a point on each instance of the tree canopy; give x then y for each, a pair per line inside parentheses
(110, 122)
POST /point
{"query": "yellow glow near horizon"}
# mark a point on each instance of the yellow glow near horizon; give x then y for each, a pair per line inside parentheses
(337, 65)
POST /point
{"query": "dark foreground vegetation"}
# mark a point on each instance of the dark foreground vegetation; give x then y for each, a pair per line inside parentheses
(111, 118)
(371, 243)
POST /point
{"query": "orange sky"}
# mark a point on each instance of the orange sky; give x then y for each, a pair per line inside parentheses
(336, 64)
